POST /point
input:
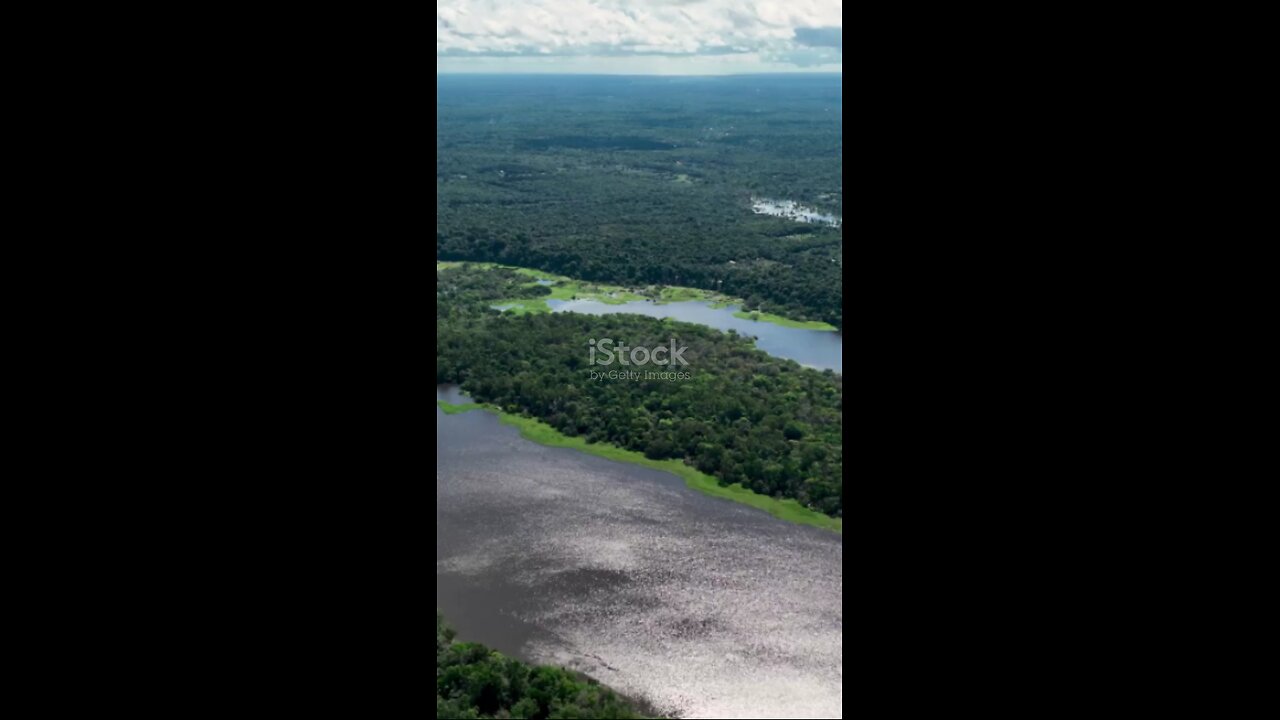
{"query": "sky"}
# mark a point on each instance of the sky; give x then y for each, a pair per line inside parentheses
(639, 37)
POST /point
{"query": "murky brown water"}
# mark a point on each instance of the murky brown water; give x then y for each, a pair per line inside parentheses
(702, 606)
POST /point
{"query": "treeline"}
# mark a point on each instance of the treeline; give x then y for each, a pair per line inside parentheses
(647, 183)
(795, 278)
(475, 682)
(469, 288)
(740, 416)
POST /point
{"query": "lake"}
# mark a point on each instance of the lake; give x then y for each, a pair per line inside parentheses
(813, 348)
(701, 606)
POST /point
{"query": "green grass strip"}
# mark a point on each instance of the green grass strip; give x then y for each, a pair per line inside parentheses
(543, 434)
(785, 322)
(451, 409)
(568, 289)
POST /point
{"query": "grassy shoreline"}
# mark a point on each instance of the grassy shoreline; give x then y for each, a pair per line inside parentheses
(784, 322)
(543, 434)
(565, 288)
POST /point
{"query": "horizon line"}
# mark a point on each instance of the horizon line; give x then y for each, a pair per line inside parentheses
(608, 74)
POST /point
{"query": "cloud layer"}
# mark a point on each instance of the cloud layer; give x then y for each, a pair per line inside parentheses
(767, 30)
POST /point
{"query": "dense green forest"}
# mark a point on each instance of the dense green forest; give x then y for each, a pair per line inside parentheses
(739, 415)
(472, 681)
(639, 181)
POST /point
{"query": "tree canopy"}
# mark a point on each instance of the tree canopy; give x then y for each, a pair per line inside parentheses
(738, 414)
(648, 182)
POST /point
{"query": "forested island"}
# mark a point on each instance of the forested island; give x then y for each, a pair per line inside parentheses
(648, 181)
(740, 416)
(473, 681)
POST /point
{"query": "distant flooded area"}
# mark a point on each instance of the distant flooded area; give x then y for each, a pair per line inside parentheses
(793, 210)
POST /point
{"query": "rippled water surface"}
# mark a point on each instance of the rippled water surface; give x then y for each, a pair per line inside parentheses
(703, 607)
(814, 348)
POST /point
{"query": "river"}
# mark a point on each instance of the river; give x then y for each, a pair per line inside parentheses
(823, 350)
(702, 606)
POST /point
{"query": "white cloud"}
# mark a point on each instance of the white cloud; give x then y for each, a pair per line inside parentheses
(763, 31)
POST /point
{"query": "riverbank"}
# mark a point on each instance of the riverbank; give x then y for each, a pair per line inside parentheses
(543, 434)
(565, 288)
(784, 322)
(465, 670)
